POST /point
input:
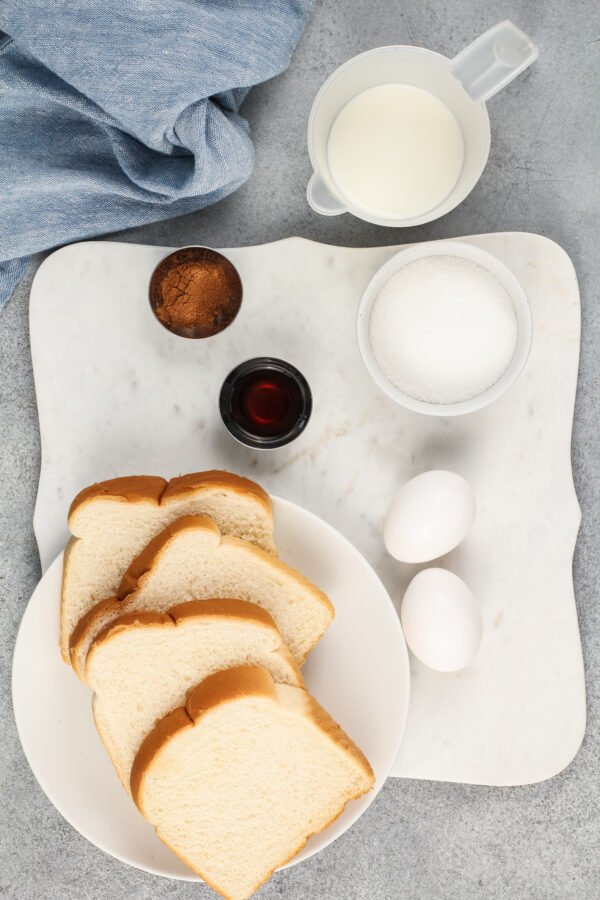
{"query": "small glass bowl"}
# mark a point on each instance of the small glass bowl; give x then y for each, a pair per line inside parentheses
(275, 372)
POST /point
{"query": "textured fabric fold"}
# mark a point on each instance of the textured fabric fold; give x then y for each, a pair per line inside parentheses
(118, 113)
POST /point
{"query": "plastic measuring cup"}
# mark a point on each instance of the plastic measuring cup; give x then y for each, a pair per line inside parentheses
(463, 84)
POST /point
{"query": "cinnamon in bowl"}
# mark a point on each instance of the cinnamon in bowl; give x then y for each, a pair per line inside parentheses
(195, 292)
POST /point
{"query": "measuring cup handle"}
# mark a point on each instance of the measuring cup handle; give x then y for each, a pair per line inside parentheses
(493, 60)
(321, 199)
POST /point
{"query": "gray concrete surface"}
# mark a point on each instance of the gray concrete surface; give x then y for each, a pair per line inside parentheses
(420, 841)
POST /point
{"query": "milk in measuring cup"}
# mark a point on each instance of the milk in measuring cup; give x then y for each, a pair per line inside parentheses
(395, 150)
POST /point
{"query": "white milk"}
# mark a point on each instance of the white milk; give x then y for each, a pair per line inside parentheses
(395, 150)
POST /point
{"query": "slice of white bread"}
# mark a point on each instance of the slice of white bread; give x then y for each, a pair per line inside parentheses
(192, 560)
(143, 665)
(111, 522)
(238, 780)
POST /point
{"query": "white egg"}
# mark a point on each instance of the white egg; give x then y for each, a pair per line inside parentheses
(441, 620)
(429, 516)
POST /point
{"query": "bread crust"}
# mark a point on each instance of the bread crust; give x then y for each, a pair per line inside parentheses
(231, 606)
(144, 563)
(66, 655)
(217, 608)
(125, 489)
(154, 489)
(187, 484)
(86, 627)
(165, 730)
(223, 687)
(145, 560)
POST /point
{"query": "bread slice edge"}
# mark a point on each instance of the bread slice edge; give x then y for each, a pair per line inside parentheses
(158, 490)
(214, 608)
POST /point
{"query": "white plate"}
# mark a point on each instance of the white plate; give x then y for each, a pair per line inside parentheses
(359, 672)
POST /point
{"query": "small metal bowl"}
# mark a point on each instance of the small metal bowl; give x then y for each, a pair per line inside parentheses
(289, 419)
(195, 292)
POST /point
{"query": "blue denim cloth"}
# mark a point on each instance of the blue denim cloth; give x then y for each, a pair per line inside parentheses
(119, 112)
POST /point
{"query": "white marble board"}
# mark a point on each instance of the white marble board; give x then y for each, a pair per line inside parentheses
(118, 394)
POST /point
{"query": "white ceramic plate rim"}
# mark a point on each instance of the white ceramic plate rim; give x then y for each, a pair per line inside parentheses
(495, 267)
(319, 842)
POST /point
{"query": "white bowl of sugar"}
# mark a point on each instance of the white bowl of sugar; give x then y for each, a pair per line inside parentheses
(444, 328)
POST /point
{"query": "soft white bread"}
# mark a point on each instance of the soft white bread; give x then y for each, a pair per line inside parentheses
(112, 522)
(238, 780)
(192, 560)
(143, 665)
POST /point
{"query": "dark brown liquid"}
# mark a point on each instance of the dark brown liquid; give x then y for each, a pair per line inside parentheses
(266, 403)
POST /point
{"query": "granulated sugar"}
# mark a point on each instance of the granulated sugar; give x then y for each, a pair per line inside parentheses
(443, 329)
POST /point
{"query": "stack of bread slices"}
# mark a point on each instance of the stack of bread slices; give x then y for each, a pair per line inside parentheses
(191, 633)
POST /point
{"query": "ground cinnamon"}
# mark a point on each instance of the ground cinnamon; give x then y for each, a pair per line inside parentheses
(195, 292)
